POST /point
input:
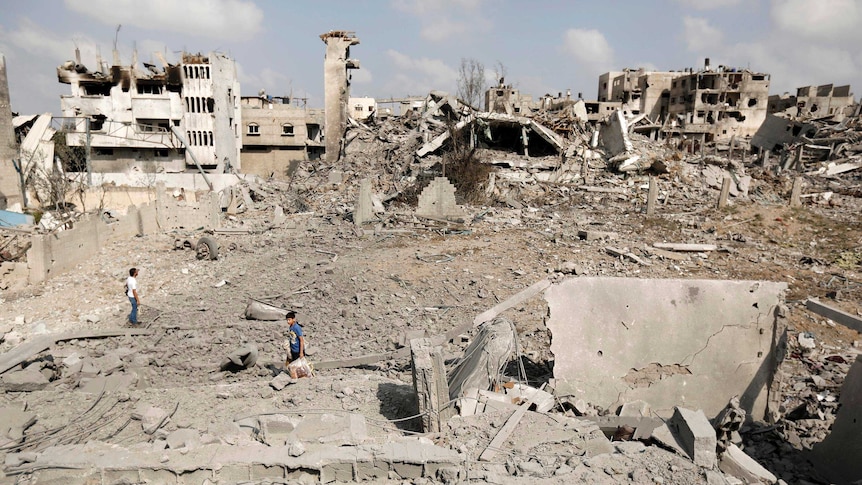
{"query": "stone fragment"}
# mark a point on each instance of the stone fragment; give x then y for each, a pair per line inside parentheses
(27, 380)
(184, 438)
(150, 416)
(736, 462)
(695, 434)
(281, 381)
(635, 409)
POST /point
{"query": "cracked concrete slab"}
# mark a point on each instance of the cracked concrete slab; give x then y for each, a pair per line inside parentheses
(692, 343)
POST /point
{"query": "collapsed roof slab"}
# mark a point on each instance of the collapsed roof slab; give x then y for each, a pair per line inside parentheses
(692, 343)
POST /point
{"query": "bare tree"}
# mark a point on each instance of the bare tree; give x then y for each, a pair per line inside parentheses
(471, 81)
(500, 72)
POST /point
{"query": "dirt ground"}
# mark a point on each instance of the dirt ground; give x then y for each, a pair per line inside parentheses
(360, 294)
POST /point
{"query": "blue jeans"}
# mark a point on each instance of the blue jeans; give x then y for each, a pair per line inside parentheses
(133, 317)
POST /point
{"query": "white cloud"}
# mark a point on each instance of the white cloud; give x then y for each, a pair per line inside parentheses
(699, 35)
(441, 20)
(806, 44)
(830, 20)
(709, 4)
(590, 48)
(227, 19)
(429, 7)
(361, 76)
(419, 76)
(36, 41)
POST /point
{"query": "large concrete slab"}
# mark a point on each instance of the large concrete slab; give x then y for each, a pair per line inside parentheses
(837, 456)
(691, 343)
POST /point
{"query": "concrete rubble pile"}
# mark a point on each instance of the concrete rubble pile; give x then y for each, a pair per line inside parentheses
(513, 324)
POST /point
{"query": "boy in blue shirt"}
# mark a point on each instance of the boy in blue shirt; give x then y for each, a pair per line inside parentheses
(295, 343)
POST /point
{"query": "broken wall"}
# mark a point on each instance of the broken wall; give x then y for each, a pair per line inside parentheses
(691, 343)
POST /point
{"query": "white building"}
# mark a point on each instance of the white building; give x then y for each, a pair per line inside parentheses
(135, 115)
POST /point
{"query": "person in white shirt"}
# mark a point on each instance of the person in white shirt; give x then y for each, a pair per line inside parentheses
(132, 293)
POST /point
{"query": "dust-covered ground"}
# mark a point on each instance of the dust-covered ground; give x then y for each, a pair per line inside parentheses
(360, 293)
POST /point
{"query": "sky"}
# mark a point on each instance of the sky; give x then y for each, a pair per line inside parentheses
(410, 47)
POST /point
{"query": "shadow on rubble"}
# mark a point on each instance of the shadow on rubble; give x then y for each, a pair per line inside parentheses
(397, 402)
(537, 373)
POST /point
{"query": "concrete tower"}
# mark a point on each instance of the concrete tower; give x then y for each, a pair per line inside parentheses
(337, 87)
(10, 191)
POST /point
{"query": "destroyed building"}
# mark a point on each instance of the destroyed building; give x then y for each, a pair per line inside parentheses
(175, 118)
(706, 104)
(277, 134)
(718, 104)
(813, 101)
(362, 108)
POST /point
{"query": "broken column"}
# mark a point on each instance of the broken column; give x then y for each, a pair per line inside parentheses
(363, 211)
(337, 87)
(429, 380)
(10, 190)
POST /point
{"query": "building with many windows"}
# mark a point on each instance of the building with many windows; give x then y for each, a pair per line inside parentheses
(276, 134)
(155, 120)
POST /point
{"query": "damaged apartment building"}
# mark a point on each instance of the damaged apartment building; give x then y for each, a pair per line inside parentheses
(175, 118)
(278, 134)
(706, 105)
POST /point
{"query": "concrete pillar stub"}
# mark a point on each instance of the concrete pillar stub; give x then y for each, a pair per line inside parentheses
(796, 193)
(363, 212)
(725, 191)
(651, 196)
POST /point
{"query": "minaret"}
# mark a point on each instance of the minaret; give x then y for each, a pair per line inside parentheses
(10, 190)
(336, 84)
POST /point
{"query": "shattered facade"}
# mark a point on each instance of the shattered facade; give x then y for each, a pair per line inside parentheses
(813, 101)
(277, 134)
(336, 80)
(166, 119)
(718, 104)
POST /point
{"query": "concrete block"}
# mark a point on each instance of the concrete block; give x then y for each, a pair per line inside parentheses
(635, 409)
(184, 438)
(150, 417)
(737, 463)
(695, 434)
(61, 476)
(166, 477)
(232, 473)
(194, 477)
(373, 470)
(259, 471)
(336, 472)
(407, 471)
(278, 429)
(597, 446)
(111, 383)
(120, 476)
(281, 381)
(27, 380)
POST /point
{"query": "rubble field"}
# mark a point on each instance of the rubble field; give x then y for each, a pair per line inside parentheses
(367, 289)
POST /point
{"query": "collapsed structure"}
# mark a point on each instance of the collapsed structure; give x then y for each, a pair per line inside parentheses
(609, 375)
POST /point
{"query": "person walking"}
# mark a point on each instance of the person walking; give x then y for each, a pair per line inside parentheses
(132, 293)
(295, 343)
